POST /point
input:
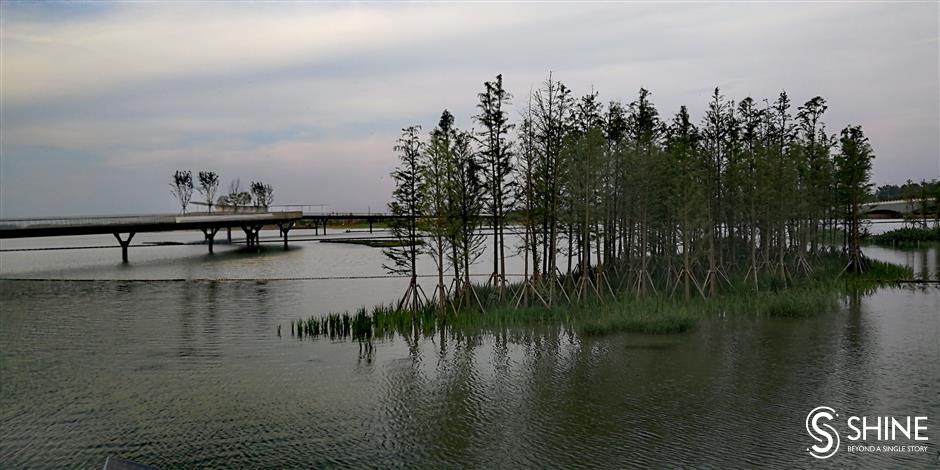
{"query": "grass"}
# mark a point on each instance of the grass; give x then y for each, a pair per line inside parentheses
(906, 236)
(654, 313)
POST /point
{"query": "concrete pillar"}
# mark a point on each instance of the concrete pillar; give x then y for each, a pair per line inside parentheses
(210, 236)
(124, 244)
(248, 239)
(284, 229)
(257, 236)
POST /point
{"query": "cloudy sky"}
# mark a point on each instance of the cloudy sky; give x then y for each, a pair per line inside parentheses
(102, 101)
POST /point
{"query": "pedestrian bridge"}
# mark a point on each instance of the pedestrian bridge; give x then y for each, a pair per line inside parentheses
(250, 219)
(124, 227)
(890, 209)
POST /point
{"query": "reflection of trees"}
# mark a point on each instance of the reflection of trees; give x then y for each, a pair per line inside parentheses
(550, 398)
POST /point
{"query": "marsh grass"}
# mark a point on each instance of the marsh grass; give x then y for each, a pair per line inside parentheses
(788, 296)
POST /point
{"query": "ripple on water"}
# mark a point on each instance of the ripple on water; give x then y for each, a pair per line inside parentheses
(193, 375)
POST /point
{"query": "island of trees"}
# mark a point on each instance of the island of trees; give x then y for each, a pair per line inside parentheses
(617, 203)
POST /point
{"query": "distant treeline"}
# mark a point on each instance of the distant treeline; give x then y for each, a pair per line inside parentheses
(755, 186)
(924, 191)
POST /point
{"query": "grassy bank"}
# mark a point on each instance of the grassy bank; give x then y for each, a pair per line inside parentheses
(906, 236)
(662, 312)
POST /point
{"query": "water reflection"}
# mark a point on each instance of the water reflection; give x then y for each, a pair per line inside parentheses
(923, 259)
(192, 374)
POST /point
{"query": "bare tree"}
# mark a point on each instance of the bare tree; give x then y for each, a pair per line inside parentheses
(208, 186)
(236, 197)
(181, 187)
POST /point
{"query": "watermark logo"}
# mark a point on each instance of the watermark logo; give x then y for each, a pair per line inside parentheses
(824, 434)
(866, 434)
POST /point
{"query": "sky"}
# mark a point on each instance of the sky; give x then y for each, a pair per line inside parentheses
(101, 101)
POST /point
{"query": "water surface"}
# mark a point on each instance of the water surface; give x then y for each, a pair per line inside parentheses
(100, 358)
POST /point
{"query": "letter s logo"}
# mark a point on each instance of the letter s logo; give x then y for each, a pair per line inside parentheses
(822, 432)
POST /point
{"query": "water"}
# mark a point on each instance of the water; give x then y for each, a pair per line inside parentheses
(124, 360)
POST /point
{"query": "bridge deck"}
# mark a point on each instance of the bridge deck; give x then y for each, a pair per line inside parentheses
(63, 226)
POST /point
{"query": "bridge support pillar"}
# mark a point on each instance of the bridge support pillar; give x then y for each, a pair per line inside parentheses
(249, 239)
(256, 230)
(210, 236)
(124, 245)
(230, 234)
(284, 229)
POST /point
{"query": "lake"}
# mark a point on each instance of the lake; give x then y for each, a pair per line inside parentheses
(175, 360)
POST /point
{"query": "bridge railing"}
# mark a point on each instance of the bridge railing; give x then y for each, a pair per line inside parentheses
(74, 221)
(85, 220)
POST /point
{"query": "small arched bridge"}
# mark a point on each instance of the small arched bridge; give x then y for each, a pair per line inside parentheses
(891, 209)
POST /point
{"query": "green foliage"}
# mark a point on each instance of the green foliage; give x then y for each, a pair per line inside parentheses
(496, 162)
(406, 200)
(755, 193)
(853, 181)
(906, 235)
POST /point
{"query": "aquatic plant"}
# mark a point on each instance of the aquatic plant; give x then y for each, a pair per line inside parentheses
(791, 293)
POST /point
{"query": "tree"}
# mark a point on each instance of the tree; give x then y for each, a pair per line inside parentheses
(434, 178)
(682, 152)
(615, 132)
(580, 163)
(888, 192)
(816, 171)
(181, 187)
(236, 197)
(853, 179)
(497, 158)
(465, 192)
(525, 172)
(208, 186)
(752, 186)
(262, 194)
(645, 131)
(551, 118)
(583, 152)
(783, 135)
(654, 204)
(405, 206)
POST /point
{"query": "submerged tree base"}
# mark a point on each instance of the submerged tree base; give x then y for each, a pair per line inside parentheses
(663, 312)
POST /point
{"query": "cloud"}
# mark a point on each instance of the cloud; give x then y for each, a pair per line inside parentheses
(311, 97)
